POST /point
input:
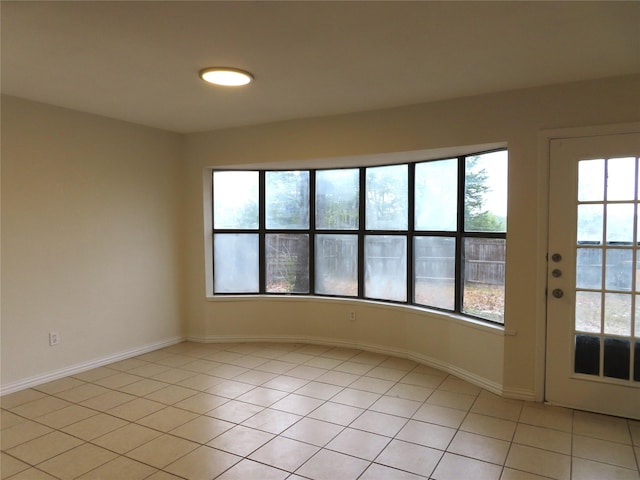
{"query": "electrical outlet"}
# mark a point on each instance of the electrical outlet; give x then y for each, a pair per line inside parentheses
(54, 339)
(352, 315)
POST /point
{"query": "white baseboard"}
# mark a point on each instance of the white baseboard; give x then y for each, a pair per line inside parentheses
(82, 367)
(473, 378)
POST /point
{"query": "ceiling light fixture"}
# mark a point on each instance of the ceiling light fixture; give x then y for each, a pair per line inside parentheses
(229, 77)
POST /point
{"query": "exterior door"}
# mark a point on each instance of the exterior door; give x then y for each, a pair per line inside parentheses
(593, 296)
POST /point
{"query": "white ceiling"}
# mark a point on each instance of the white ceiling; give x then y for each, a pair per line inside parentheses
(138, 61)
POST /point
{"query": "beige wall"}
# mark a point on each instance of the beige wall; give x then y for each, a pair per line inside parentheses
(517, 118)
(90, 238)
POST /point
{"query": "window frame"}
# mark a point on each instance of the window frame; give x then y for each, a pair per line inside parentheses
(410, 234)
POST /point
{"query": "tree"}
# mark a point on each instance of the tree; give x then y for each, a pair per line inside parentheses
(476, 217)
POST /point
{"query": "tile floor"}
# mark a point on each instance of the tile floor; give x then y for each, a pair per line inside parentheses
(293, 411)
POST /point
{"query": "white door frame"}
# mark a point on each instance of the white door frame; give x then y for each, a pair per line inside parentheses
(544, 161)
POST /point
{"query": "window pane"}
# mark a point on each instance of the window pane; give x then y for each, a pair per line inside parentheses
(620, 221)
(619, 269)
(287, 200)
(590, 224)
(435, 271)
(436, 192)
(235, 258)
(588, 310)
(385, 269)
(621, 178)
(337, 265)
(485, 192)
(617, 313)
(591, 180)
(337, 199)
(287, 258)
(235, 199)
(589, 268)
(483, 290)
(386, 204)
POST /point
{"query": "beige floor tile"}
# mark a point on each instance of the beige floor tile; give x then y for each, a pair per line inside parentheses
(201, 366)
(603, 451)
(295, 357)
(118, 380)
(544, 438)
(8, 419)
(228, 371)
(587, 470)
(83, 392)
(547, 416)
(241, 440)
(342, 353)
(203, 463)
(495, 406)
(396, 406)
(261, 396)
(21, 433)
(272, 421)
(248, 469)
(454, 467)
(234, 411)
(148, 370)
(202, 429)
(120, 468)
(380, 423)
(370, 358)
(171, 394)
(603, 427)
(356, 398)
(447, 417)
(173, 375)
(459, 401)
(336, 413)
(126, 438)
(77, 461)
(540, 462)
(285, 383)
(10, 466)
(410, 392)
(307, 372)
(341, 379)
(136, 409)
(174, 360)
(359, 444)
(315, 432)
(162, 450)
(298, 404)
(323, 362)
(480, 448)
(12, 400)
(143, 387)
(634, 427)
(374, 385)
(276, 366)
(353, 367)
(60, 385)
(40, 407)
(167, 419)
(382, 472)
(95, 374)
(322, 391)
(66, 416)
(108, 400)
(255, 377)
(94, 427)
(43, 448)
(427, 434)
(230, 389)
(489, 426)
(456, 385)
(385, 373)
(336, 466)
(200, 382)
(511, 474)
(399, 363)
(33, 474)
(201, 403)
(284, 453)
(423, 379)
(412, 458)
(127, 364)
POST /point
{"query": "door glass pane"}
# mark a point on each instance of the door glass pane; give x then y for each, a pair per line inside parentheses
(485, 192)
(434, 271)
(387, 194)
(617, 356)
(287, 258)
(337, 265)
(385, 269)
(621, 178)
(483, 289)
(235, 200)
(287, 200)
(337, 199)
(589, 268)
(587, 355)
(235, 258)
(436, 195)
(590, 224)
(620, 223)
(619, 269)
(591, 180)
(617, 313)
(588, 311)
